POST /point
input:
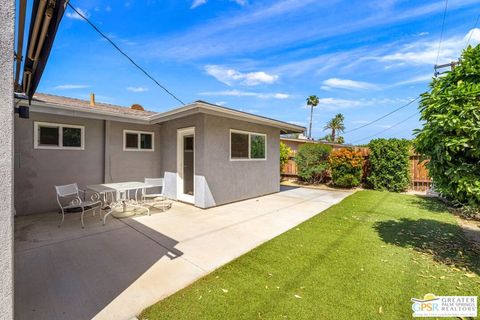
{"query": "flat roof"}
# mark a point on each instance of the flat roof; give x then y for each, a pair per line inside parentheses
(48, 103)
(315, 141)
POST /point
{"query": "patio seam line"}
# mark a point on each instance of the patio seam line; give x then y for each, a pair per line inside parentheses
(253, 218)
(158, 243)
(66, 240)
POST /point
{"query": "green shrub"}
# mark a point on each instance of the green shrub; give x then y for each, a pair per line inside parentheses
(346, 167)
(285, 152)
(450, 136)
(389, 164)
(312, 163)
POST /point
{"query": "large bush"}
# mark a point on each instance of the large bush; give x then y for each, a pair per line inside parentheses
(389, 164)
(285, 152)
(312, 162)
(346, 167)
(450, 136)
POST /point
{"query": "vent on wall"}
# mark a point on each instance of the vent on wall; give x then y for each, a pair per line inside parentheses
(137, 107)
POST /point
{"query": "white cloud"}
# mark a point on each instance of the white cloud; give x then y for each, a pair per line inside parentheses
(71, 86)
(422, 78)
(197, 3)
(231, 76)
(334, 104)
(473, 35)
(238, 93)
(348, 84)
(74, 15)
(425, 52)
(263, 27)
(137, 89)
(241, 2)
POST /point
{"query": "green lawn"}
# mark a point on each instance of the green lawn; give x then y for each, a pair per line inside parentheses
(361, 259)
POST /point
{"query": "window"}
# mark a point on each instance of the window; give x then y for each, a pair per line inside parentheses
(137, 140)
(58, 136)
(247, 145)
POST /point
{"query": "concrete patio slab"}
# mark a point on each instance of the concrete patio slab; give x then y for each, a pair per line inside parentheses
(115, 271)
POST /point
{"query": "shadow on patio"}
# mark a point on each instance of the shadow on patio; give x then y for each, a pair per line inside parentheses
(70, 273)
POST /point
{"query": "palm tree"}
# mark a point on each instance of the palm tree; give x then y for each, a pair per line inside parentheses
(336, 125)
(312, 101)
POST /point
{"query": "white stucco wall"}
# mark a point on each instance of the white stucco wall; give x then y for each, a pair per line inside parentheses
(7, 12)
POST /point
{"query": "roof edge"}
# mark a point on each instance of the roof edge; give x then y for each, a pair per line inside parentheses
(241, 115)
(157, 117)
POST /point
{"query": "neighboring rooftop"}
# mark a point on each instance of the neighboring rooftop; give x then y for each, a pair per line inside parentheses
(66, 101)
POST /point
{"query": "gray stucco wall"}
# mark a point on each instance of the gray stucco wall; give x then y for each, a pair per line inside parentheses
(37, 171)
(7, 12)
(230, 181)
(168, 134)
(123, 165)
(217, 179)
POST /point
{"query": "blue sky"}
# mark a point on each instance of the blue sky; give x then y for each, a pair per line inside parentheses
(362, 58)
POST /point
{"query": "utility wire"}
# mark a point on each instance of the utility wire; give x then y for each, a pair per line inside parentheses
(441, 33)
(384, 116)
(389, 128)
(471, 33)
(123, 53)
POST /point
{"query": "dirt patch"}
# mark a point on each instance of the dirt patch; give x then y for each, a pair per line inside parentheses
(470, 228)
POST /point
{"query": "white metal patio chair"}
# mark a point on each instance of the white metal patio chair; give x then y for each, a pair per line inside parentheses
(72, 193)
(155, 183)
(155, 198)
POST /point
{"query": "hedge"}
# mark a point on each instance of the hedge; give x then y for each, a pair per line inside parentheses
(389, 164)
(312, 162)
(450, 136)
(346, 167)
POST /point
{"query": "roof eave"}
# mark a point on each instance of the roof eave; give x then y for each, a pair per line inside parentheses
(68, 110)
(204, 107)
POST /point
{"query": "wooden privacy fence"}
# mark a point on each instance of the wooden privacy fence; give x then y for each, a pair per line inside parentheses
(419, 179)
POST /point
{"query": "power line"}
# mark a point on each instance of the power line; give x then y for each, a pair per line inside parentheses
(389, 128)
(384, 116)
(471, 33)
(441, 33)
(122, 52)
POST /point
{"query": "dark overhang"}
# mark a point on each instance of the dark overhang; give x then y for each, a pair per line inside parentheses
(45, 19)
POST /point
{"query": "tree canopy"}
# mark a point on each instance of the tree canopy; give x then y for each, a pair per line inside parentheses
(450, 137)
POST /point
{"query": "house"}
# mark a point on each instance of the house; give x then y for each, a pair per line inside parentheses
(209, 155)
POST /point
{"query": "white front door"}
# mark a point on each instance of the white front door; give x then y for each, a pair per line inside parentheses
(186, 164)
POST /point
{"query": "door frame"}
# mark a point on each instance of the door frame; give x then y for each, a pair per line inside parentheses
(180, 153)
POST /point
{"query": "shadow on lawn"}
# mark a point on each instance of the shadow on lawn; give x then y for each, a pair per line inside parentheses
(427, 203)
(445, 242)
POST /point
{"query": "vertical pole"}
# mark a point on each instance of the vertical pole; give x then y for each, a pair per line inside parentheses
(7, 18)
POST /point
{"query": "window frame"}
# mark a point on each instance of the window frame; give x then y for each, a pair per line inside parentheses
(60, 126)
(138, 133)
(249, 133)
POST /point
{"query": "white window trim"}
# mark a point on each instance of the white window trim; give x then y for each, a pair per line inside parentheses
(60, 127)
(125, 131)
(250, 133)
